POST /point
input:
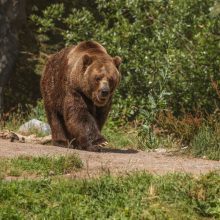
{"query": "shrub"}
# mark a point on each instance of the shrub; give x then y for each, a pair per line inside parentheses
(170, 52)
(170, 49)
(183, 128)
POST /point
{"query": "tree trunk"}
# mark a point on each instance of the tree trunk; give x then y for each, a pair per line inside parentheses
(12, 16)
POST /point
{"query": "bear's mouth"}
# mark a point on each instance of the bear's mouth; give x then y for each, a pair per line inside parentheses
(100, 101)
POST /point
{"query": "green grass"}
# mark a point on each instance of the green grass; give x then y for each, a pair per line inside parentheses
(136, 196)
(207, 143)
(120, 138)
(43, 166)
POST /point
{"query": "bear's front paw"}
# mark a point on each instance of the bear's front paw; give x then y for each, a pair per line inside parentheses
(97, 147)
(103, 144)
(100, 146)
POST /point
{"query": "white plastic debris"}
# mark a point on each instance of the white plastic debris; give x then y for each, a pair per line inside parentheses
(35, 125)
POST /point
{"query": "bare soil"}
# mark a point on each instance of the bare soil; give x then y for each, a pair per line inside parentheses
(114, 161)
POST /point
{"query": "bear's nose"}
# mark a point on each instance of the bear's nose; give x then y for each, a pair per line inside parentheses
(104, 92)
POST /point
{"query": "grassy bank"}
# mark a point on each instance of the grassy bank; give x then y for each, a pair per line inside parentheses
(137, 196)
(25, 166)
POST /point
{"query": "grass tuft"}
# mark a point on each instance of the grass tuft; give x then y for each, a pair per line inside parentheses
(121, 138)
(27, 165)
(207, 143)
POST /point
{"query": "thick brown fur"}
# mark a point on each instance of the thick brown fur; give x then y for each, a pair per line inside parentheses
(77, 87)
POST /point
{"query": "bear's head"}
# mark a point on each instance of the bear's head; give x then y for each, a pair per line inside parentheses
(100, 78)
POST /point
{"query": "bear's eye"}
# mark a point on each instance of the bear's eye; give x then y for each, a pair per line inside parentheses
(97, 78)
(111, 80)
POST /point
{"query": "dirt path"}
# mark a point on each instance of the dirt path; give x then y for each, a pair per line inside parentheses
(115, 161)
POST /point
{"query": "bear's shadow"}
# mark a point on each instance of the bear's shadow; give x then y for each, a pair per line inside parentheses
(119, 151)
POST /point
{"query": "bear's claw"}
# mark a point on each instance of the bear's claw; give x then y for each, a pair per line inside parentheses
(103, 144)
(98, 147)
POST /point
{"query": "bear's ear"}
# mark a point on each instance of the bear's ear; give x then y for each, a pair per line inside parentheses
(117, 61)
(87, 60)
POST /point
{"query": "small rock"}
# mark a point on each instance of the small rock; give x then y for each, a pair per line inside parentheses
(184, 148)
(51, 173)
(35, 125)
(13, 137)
(160, 150)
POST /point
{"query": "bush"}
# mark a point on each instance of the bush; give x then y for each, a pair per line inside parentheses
(170, 52)
(183, 128)
(170, 49)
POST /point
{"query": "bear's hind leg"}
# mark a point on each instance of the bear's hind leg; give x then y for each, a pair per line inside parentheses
(57, 129)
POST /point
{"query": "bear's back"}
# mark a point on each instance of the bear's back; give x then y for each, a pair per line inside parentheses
(54, 77)
(87, 46)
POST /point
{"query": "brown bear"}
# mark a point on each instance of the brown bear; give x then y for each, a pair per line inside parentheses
(77, 87)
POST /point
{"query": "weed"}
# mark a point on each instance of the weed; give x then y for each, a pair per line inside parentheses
(183, 128)
(199, 133)
(207, 143)
(13, 119)
(38, 112)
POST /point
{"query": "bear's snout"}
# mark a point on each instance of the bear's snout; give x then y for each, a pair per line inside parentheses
(104, 89)
(104, 92)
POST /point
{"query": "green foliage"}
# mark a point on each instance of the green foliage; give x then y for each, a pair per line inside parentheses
(38, 111)
(170, 49)
(136, 196)
(170, 52)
